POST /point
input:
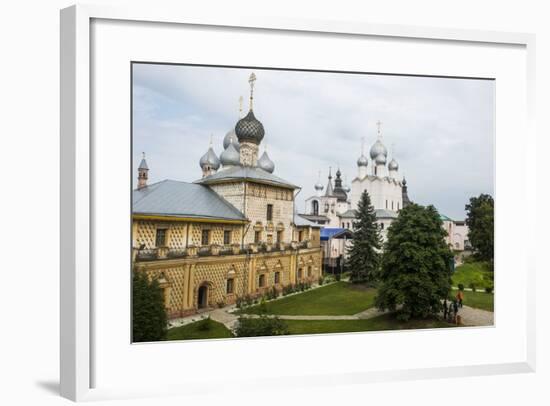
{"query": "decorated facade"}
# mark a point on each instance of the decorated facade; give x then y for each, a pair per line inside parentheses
(232, 233)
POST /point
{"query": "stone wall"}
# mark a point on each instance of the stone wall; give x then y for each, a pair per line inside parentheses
(182, 278)
(180, 235)
(252, 200)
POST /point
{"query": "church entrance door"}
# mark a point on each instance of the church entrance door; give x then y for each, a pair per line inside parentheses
(203, 297)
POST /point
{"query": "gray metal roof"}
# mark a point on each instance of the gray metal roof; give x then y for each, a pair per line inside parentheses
(143, 164)
(303, 222)
(182, 199)
(385, 214)
(253, 174)
(313, 217)
(350, 214)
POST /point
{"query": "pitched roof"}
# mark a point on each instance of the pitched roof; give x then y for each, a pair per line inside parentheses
(444, 217)
(385, 214)
(182, 199)
(253, 174)
(301, 221)
(350, 214)
(143, 164)
(313, 217)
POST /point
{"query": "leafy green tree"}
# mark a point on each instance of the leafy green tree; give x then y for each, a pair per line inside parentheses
(148, 313)
(415, 272)
(364, 252)
(480, 222)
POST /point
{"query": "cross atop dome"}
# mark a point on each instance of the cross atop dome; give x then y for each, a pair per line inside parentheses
(251, 81)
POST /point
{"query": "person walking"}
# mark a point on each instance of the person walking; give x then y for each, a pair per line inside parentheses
(460, 297)
(455, 309)
(445, 309)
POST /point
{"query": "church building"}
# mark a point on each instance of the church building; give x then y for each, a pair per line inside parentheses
(230, 234)
(336, 207)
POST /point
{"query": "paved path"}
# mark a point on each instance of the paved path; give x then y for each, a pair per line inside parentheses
(475, 317)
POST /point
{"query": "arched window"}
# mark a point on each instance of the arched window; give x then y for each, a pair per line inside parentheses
(315, 207)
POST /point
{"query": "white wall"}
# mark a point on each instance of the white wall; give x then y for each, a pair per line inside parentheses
(29, 79)
(380, 191)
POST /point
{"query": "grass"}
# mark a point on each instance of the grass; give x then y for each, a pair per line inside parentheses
(199, 330)
(472, 272)
(478, 300)
(379, 323)
(341, 298)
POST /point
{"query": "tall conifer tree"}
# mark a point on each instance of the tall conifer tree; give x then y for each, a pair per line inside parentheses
(364, 253)
(149, 317)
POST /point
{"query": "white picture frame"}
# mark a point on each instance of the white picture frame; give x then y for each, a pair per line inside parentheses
(77, 356)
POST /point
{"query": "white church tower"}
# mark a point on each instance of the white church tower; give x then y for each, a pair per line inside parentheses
(381, 182)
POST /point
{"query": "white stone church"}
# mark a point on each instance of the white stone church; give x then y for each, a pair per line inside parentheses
(334, 206)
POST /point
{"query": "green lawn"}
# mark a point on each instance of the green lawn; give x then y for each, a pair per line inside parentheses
(379, 323)
(193, 331)
(473, 272)
(340, 298)
(479, 300)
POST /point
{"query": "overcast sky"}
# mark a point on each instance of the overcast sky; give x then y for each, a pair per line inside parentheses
(441, 129)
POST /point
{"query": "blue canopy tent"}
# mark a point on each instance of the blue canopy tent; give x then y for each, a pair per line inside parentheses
(329, 233)
(331, 263)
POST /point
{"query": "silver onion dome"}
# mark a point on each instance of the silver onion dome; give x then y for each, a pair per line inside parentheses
(377, 149)
(231, 138)
(393, 165)
(249, 129)
(230, 156)
(318, 186)
(380, 159)
(266, 163)
(362, 161)
(211, 159)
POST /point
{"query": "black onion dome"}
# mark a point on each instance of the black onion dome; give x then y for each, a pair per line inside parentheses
(249, 129)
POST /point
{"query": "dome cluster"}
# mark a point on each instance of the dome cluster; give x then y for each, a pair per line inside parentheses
(379, 155)
(247, 130)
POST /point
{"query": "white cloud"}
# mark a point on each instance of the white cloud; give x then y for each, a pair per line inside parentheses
(442, 129)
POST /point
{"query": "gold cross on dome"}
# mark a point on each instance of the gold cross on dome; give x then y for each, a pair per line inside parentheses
(251, 80)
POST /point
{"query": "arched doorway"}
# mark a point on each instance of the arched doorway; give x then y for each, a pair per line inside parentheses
(202, 297)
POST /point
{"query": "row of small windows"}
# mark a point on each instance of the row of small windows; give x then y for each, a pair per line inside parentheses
(160, 237)
(392, 205)
(205, 237)
(262, 279)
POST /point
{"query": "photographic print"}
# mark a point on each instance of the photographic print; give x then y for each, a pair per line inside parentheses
(273, 202)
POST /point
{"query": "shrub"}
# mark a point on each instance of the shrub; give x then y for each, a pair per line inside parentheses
(321, 281)
(489, 289)
(239, 302)
(262, 308)
(338, 277)
(204, 324)
(261, 326)
(472, 286)
(461, 286)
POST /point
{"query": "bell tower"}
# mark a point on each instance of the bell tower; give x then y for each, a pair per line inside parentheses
(143, 172)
